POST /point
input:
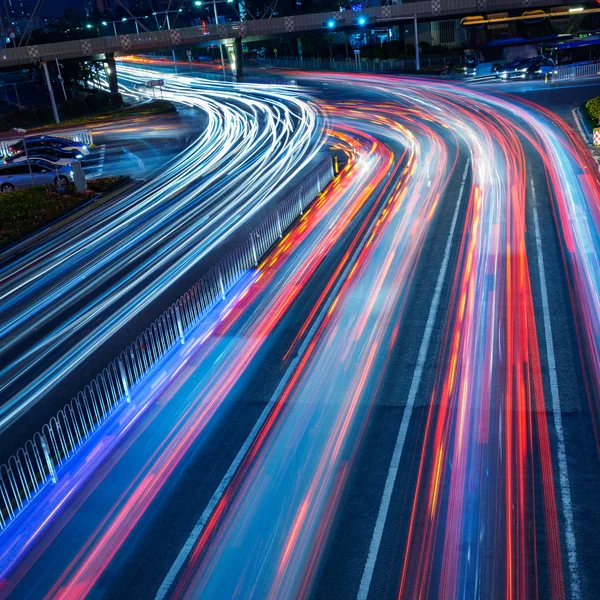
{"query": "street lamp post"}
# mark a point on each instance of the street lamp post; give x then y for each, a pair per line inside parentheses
(23, 132)
(417, 53)
(214, 3)
(123, 20)
(220, 45)
(166, 13)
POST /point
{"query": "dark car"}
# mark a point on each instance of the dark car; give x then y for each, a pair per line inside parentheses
(541, 66)
(529, 68)
(511, 69)
(48, 141)
(53, 155)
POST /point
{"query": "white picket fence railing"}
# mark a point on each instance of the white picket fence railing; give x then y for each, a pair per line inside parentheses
(37, 463)
(575, 71)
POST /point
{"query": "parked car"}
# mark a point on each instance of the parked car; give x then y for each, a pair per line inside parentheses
(541, 66)
(510, 69)
(53, 155)
(44, 173)
(529, 68)
(48, 141)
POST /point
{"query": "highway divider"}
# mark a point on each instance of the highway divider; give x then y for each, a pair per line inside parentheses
(38, 462)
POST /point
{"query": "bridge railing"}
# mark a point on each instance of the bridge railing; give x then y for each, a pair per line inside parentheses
(38, 462)
(190, 36)
(367, 65)
(575, 71)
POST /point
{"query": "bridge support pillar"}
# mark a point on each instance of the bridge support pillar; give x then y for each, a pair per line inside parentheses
(234, 53)
(110, 66)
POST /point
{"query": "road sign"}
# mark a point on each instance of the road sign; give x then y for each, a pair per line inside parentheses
(189, 53)
(357, 51)
(596, 136)
(155, 83)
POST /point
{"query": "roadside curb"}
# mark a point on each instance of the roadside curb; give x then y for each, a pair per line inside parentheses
(586, 135)
(35, 237)
(582, 126)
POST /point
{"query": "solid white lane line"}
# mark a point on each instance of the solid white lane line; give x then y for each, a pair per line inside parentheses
(386, 498)
(204, 518)
(563, 473)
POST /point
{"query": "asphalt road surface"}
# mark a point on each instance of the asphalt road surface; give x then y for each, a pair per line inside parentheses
(400, 401)
(64, 299)
(141, 147)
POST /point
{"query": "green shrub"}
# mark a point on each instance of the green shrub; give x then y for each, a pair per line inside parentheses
(592, 107)
(79, 106)
(104, 97)
(29, 116)
(44, 114)
(25, 210)
(93, 101)
(116, 100)
(67, 108)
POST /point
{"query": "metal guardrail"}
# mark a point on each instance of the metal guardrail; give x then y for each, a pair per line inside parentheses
(575, 72)
(38, 462)
(77, 136)
(365, 64)
(218, 76)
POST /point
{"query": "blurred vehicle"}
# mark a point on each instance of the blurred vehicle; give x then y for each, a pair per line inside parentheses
(542, 66)
(44, 173)
(529, 68)
(48, 141)
(512, 68)
(53, 155)
(458, 71)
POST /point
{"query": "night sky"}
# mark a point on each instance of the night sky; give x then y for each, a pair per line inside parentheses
(57, 7)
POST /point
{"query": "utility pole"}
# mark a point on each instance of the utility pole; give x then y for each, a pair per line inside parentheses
(220, 45)
(50, 90)
(417, 56)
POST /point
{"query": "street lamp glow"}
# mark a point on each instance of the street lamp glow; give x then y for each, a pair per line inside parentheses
(331, 23)
(124, 19)
(88, 25)
(198, 3)
(362, 21)
(104, 23)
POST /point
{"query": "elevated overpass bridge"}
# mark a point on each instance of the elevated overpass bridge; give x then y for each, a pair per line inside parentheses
(231, 34)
